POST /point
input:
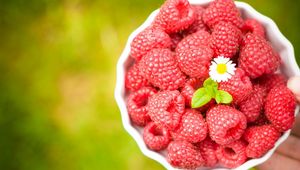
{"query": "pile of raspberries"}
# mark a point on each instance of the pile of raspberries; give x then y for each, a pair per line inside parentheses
(171, 60)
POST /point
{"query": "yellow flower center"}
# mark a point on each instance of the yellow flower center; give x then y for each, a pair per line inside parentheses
(221, 68)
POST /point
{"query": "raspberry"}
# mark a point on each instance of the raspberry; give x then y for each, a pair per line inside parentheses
(189, 89)
(208, 151)
(193, 41)
(175, 15)
(272, 80)
(261, 139)
(261, 120)
(239, 86)
(198, 23)
(280, 108)
(253, 105)
(195, 62)
(166, 108)
(147, 40)
(160, 68)
(176, 38)
(156, 138)
(192, 128)
(222, 10)
(253, 26)
(182, 154)
(233, 154)
(134, 80)
(257, 56)
(225, 124)
(225, 39)
(137, 105)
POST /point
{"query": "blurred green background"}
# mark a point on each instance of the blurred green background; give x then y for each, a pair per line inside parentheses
(57, 76)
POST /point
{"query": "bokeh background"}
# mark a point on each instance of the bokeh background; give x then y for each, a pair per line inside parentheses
(57, 76)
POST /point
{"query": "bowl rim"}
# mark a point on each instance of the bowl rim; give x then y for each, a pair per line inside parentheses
(120, 74)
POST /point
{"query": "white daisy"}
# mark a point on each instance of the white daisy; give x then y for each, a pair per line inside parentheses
(221, 69)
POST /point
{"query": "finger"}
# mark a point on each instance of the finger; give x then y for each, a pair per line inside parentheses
(290, 148)
(279, 162)
(296, 128)
(294, 85)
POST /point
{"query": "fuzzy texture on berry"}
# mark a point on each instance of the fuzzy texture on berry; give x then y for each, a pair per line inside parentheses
(208, 151)
(182, 154)
(253, 26)
(193, 41)
(233, 154)
(239, 86)
(198, 24)
(192, 128)
(272, 80)
(257, 56)
(189, 89)
(147, 40)
(253, 105)
(225, 39)
(134, 80)
(175, 15)
(260, 140)
(156, 138)
(280, 108)
(225, 124)
(222, 10)
(166, 108)
(137, 105)
(176, 38)
(195, 62)
(160, 68)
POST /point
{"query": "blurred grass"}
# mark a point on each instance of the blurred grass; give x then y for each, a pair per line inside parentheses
(57, 65)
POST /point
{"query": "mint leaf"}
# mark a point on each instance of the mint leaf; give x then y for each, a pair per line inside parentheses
(210, 83)
(200, 98)
(226, 98)
(218, 97)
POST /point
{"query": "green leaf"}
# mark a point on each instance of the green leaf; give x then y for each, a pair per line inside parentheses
(210, 83)
(200, 98)
(218, 97)
(226, 98)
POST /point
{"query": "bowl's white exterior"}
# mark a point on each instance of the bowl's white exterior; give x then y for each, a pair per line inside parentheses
(279, 42)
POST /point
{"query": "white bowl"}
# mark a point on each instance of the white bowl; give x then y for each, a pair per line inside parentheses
(279, 42)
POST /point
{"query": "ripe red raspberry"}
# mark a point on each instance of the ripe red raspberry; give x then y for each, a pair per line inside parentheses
(192, 127)
(225, 124)
(253, 105)
(189, 89)
(175, 15)
(222, 10)
(239, 86)
(134, 80)
(193, 41)
(233, 154)
(261, 139)
(160, 68)
(156, 138)
(280, 108)
(225, 39)
(198, 24)
(182, 154)
(257, 56)
(208, 150)
(195, 62)
(147, 40)
(137, 105)
(176, 38)
(253, 26)
(272, 80)
(166, 108)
